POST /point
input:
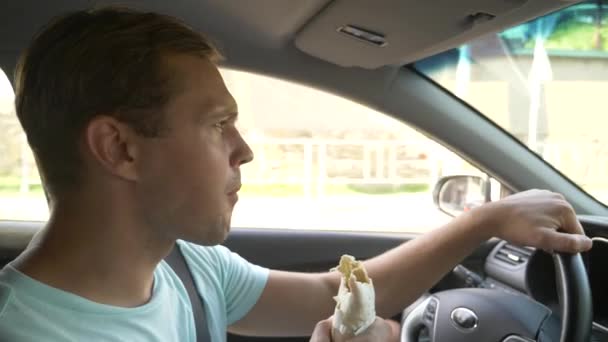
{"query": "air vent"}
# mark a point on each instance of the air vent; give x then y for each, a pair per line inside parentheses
(513, 255)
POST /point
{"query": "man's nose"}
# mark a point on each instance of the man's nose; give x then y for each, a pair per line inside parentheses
(242, 153)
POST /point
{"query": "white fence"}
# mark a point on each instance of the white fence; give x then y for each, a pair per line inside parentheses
(316, 163)
(313, 162)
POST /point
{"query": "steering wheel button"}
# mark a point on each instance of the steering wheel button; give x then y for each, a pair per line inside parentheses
(516, 338)
(464, 318)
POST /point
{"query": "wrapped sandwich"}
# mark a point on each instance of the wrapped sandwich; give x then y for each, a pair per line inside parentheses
(355, 303)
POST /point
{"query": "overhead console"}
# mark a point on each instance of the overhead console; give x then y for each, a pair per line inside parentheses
(371, 34)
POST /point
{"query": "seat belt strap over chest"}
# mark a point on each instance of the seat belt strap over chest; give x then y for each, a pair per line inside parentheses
(177, 262)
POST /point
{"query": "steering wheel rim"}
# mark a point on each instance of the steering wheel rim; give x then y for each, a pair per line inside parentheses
(574, 296)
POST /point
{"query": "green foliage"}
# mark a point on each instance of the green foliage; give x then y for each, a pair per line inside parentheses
(573, 35)
(12, 185)
(385, 189)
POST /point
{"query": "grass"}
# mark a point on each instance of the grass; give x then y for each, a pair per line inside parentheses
(386, 189)
(293, 190)
(11, 186)
(33, 190)
(274, 190)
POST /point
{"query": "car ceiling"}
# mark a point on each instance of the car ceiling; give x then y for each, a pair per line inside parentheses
(412, 28)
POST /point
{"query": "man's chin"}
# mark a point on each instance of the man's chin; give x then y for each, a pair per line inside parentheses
(206, 233)
(211, 237)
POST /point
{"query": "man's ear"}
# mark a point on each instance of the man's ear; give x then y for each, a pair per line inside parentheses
(113, 146)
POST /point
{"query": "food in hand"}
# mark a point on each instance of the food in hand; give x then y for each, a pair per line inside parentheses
(355, 302)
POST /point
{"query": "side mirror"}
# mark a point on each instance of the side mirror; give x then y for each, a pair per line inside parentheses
(457, 194)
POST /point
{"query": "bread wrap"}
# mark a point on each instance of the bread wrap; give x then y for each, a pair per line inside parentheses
(355, 302)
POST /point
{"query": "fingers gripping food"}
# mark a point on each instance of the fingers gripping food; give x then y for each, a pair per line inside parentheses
(355, 303)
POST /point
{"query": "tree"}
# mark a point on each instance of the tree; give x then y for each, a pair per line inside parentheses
(598, 37)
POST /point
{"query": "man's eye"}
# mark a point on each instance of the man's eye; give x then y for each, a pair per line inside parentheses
(221, 125)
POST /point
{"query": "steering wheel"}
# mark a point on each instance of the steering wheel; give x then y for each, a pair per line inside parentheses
(490, 315)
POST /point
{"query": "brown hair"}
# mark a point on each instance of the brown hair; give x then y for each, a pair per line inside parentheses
(109, 61)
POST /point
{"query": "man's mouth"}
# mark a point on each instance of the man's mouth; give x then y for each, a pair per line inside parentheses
(233, 194)
(234, 190)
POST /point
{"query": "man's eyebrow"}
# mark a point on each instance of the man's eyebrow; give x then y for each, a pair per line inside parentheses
(222, 112)
(232, 115)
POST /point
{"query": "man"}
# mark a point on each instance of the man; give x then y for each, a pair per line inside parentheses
(134, 134)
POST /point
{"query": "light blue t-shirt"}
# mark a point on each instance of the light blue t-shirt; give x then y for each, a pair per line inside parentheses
(230, 286)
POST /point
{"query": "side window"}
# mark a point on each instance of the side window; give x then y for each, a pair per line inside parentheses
(323, 162)
(21, 195)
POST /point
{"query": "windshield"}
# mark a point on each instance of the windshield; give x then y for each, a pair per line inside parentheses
(545, 82)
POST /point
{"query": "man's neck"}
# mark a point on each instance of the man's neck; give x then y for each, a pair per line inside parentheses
(97, 254)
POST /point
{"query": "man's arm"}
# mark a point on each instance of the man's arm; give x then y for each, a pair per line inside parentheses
(292, 303)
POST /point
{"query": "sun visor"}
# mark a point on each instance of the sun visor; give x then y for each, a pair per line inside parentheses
(371, 34)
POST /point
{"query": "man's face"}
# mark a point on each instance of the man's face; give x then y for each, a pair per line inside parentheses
(190, 176)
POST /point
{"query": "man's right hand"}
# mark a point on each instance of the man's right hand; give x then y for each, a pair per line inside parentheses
(536, 218)
(381, 330)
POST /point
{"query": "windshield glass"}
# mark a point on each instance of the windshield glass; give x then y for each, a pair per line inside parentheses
(545, 82)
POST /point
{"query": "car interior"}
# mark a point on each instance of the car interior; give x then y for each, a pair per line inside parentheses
(366, 51)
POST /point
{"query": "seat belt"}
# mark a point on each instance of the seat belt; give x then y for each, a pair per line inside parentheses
(177, 262)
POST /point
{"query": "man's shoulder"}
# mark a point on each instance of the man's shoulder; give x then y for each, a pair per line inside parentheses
(211, 262)
(6, 293)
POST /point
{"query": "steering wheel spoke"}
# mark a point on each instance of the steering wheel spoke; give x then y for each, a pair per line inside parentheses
(493, 315)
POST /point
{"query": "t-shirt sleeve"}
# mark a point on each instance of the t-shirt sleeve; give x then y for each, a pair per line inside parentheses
(240, 282)
(243, 284)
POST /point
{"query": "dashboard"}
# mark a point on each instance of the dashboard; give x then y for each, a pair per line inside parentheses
(522, 271)
(531, 272)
